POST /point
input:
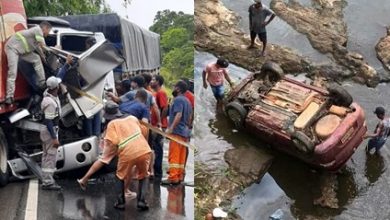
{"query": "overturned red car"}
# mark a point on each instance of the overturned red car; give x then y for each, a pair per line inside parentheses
(322, 127)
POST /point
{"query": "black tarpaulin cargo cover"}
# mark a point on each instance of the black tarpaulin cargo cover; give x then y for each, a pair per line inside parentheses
(141, 47)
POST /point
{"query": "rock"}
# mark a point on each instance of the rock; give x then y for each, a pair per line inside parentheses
(368, 71)
(217, 32)
(250, 169)
(327, 32)
(328, 198)
(383, 50)
(310, 21)
(328, 3)
(277, 215)
(355, 55)
(240, 174)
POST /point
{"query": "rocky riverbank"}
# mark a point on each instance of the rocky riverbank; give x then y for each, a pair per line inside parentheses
(324, 27)
(217, 188)
(217, 32)
(383, 50)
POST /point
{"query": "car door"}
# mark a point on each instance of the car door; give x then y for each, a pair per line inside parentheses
(93, 66)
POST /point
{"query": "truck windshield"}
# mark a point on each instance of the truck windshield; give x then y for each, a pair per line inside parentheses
(51, 40)
(74, 44)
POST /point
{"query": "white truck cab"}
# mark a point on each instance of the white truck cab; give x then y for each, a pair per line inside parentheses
(95, 67)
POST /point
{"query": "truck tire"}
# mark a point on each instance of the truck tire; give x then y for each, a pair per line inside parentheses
(339, 95)
(302, 142)
(236, 113)
(271, 72)
(4, 175)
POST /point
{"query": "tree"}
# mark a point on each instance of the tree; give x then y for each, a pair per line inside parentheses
(68, 7)
(167, 19)
(177, 34)
(174, 38)
(180, 62)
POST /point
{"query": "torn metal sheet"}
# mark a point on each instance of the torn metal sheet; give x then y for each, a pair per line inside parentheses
(32, 165)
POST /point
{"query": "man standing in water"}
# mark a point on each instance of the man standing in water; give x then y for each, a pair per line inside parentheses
(257, 23)
(215, 74)
(382, 131)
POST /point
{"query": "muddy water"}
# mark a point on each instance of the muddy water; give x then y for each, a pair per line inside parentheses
(278, 31)
(363, 187)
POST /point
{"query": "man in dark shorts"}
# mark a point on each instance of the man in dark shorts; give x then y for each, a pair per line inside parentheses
(381, 133)
(257, 23)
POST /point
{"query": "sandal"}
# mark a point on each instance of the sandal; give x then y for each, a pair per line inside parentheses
(82, 185)
(130, 195)
(120, 206)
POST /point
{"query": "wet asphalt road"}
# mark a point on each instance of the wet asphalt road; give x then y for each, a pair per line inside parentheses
(172, 202)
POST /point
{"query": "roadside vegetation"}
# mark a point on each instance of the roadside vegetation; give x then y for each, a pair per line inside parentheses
(68, 7)
(177, 37)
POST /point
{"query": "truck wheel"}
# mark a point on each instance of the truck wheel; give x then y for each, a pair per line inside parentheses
(302, 142)
(4, 176)
(236, 113)
(271, 72)
(339, 95)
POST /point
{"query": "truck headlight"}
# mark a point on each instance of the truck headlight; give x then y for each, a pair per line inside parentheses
(86, 147)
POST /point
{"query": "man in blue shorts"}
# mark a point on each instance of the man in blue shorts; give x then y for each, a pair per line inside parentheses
(215, 75)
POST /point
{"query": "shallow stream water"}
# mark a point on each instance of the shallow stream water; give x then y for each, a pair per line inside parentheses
(290, 184)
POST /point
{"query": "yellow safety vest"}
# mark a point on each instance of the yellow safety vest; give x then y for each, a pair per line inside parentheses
(24, 41)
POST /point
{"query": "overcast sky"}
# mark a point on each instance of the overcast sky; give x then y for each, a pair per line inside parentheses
(142, 12)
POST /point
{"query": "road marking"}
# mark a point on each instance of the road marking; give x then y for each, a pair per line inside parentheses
(32, 200)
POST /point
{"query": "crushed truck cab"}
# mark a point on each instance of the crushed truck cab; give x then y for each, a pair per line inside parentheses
(83, 97)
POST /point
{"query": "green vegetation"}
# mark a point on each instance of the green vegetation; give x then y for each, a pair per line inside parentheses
(177, 34)
(68, 7)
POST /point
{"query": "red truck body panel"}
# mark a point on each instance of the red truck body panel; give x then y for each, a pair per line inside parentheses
(13, 19)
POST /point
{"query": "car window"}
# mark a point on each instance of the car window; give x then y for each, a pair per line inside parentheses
(74, 44)
(51, 40)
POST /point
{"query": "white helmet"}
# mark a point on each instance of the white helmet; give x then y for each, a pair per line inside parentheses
(52, 82)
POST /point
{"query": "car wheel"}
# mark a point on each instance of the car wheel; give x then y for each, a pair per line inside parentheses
(271, 72)
(236, 113)
(339, 95)
(4, 175)
(302, 142)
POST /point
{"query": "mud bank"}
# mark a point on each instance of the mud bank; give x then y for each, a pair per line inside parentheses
(217, 32)
(217, 188)
(383, 50)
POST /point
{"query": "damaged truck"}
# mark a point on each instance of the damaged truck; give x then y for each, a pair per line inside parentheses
(21, 122)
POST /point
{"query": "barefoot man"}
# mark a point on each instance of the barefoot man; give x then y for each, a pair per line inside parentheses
(215, 75)
(257, 23)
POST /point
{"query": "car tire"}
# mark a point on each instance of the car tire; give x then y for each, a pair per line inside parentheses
(302, 142)
(339, 95)
(4, 174)
(236, 113)
(271, 72)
